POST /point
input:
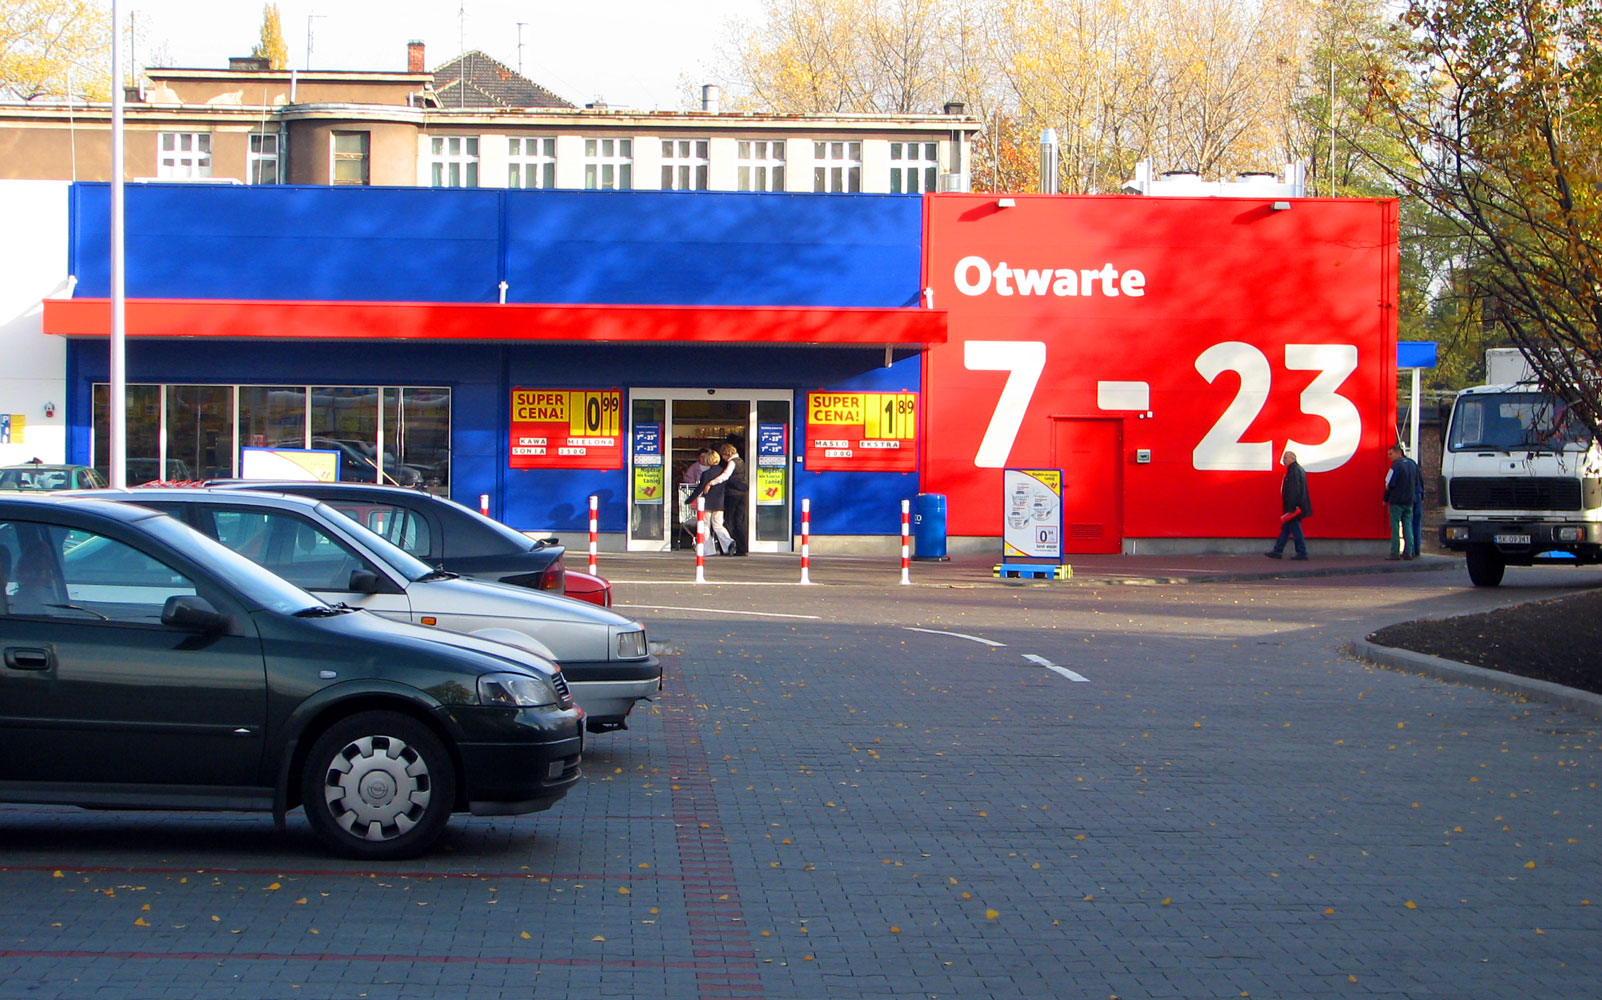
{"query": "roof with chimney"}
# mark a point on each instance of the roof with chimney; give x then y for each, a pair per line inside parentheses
(474, 80)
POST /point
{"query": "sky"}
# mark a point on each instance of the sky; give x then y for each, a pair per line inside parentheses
(641, 54)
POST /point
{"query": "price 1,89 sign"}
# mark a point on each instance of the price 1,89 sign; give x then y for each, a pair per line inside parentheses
(862, 431)
(566, 429)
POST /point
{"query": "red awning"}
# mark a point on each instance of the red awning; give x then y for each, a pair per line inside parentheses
(228, 319)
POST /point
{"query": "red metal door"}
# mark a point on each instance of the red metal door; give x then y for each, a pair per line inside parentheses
(1089, 452)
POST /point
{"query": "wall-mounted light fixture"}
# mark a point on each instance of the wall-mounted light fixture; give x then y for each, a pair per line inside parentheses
(1281, 206)
(1005, 203)
(50, 409)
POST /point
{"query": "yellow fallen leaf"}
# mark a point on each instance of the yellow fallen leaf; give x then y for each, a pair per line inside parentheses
(992, 914)
(1410, 905)
(56, 875)
(597, 938)
(315, 931)
(302, 900)
(1167, 900)
(623, 890)
(526, 936)
(1529, 864)
(275, 885)
(1329, 910)
(894, 929)
(141, 922)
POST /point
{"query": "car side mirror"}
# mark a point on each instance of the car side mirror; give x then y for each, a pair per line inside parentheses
(195, 614)
(364, 581)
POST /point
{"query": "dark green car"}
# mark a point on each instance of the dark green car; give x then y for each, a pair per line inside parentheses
(149, 667)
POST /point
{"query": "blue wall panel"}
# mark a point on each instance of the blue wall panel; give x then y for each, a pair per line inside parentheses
(189, 241)
(700, 248)
(424, 245)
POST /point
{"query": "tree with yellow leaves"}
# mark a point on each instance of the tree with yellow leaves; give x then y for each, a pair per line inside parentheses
(52, 49)
(271, 47)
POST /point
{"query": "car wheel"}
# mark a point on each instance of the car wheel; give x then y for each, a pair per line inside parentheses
(378, 785)
(1485, 566)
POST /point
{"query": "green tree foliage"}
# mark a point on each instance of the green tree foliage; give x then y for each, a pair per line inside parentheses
(1498, 106)
(271, 47)
(44, 44)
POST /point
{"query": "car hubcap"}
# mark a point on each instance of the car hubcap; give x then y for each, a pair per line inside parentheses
(377, 788)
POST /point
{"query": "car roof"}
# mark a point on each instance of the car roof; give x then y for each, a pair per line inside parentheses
(77, 500)
(42, 467)
(265, 498)
(272, 485)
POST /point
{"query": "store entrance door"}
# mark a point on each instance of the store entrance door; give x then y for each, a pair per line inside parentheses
(667, 427)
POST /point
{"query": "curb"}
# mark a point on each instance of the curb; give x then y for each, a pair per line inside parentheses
(1440, 668)
(1416, 566)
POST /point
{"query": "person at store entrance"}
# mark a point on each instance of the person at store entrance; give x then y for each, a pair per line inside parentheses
(711, 490)
(734, 493)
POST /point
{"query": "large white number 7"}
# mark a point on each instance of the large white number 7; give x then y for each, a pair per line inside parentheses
(1023, 361)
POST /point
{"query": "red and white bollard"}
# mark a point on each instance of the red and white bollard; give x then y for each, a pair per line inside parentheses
(700, 539)
(906, 525)
(806, 539)
(595, 503)
(483, 504)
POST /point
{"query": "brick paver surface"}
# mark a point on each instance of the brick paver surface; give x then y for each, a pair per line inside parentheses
(841, 807)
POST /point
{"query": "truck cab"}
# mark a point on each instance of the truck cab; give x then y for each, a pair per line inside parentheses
(1523, 482)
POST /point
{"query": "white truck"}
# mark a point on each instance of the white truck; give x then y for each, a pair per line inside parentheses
(1522, 476)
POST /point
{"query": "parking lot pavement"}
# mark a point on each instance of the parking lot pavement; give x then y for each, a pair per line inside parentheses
(886, 792)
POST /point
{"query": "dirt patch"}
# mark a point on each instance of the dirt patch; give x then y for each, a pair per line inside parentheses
(1556, 640)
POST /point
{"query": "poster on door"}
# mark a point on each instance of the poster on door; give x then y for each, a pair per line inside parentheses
(648, 472)
(1031, 504)
(566, 429)
(772, 463)
(862, 431)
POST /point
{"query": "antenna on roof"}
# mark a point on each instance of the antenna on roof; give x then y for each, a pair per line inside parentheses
(520, 26)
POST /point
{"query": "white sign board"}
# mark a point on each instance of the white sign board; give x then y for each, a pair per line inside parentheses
(1032, 513)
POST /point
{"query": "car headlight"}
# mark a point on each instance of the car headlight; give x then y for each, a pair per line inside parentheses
(631, 645)
(515, 691)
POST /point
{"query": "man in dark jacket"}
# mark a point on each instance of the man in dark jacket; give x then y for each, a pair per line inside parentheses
(1295, 504)
(1401, 487)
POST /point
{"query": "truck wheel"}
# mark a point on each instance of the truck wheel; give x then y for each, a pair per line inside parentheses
(1485, 566)
(378, 786)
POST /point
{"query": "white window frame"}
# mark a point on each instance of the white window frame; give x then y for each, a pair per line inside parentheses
(363, 157)
(914, 167)
(760, 164)
(608, 163)
(183, 156)
(685, 164)
(531, 161)
(837, 166)
(453, 161)
(261, 167)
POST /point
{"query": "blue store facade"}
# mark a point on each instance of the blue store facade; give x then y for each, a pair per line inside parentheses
(399, 330)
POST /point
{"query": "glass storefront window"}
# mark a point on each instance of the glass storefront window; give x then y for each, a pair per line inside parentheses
(397, 435)
(143, 432)
(200, 434)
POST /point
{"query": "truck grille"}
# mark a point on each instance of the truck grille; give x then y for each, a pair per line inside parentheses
(1531, 493)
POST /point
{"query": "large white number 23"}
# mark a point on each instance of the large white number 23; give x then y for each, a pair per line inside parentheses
(1221, 448)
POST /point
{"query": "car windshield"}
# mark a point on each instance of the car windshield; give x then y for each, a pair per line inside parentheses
(393, 555)
(256, 584)
(1516, 421)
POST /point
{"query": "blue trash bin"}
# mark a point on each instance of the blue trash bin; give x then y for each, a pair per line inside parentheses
(929, 526)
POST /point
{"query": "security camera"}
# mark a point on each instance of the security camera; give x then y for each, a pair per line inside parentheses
(711, 392)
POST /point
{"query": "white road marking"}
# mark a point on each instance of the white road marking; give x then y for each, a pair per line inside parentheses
(958, 635)
(1032, 658)
(717, 611)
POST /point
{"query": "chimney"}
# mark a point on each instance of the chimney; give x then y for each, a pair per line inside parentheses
(955, 107)
(711, 99)
(414, 57)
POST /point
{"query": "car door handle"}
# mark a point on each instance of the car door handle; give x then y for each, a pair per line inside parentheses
(29, 659)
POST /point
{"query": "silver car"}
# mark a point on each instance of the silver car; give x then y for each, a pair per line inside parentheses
(603, 655)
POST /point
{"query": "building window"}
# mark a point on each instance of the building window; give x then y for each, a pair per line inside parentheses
(837, 167)
(388, 434)
(184, 156)
(350, 158)
(531, 162)
(608, 164)
(684, 164)
(455, 160)
(913, 167)
(761, 165)
(261, 162)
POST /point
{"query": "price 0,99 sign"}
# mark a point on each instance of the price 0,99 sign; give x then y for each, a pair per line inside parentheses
(567, 429)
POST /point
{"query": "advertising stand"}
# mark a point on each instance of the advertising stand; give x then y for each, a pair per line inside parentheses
(1031, 507)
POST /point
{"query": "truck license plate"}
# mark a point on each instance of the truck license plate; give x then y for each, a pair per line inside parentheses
(1512, 539)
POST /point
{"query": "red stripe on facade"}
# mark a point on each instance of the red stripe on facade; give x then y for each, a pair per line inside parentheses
(271, 320)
